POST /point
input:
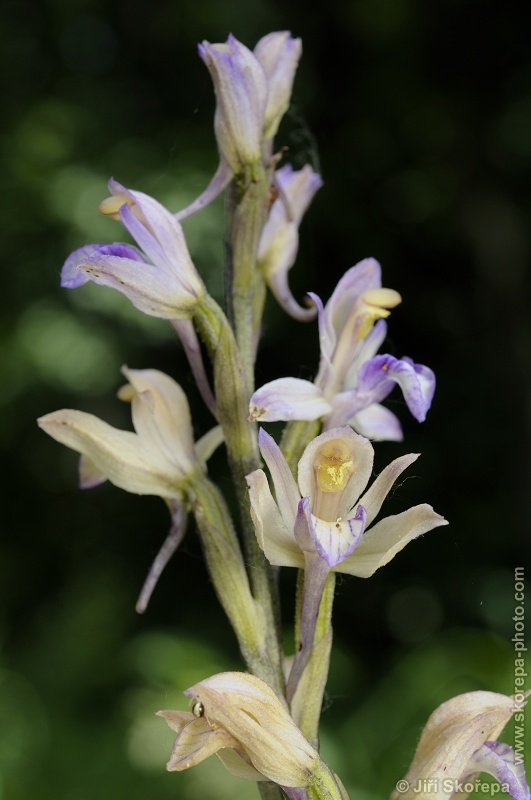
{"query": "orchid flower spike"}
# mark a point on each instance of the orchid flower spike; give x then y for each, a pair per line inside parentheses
(160, 458)
(161, 280)
(279, 241)
(458, 742)
(352, 380)
(239, 718)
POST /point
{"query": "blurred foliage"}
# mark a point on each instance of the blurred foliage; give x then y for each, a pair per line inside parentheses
(418, 116)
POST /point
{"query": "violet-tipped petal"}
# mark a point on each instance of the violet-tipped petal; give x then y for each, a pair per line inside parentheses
(279, 241)
(278, 53)
(241, 94)
(287, 399)
(377, 377)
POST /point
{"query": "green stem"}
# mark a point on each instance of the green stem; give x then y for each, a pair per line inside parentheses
(243, 455)
(245, 284)
(308, 698)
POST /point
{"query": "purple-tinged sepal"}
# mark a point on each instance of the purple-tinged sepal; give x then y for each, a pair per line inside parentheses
(279, 242)
(279, 54)
(286, 399)
(72, 273)
(377, 377)
(240, 84)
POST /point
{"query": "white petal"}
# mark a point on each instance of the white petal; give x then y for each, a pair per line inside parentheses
(207, 444)
(286, 490)
(89, 475)
(277, 542)
(236, 765)
(384, 540)
(377, 423)
(286, 399)
(161, 416)
(120, 455)
(373, 498)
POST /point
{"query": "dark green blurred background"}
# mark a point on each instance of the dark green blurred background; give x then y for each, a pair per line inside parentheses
(418, 114)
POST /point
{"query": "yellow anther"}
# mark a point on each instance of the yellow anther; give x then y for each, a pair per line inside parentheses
(111, 205)
(385, 298)
(126, 393)
(333, 466)
(375, 305)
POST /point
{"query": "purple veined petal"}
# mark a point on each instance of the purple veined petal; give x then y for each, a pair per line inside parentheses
(417, 382)
(498, 760)
(286, 490)
(219, 182)
(72, 275)
(286, 399)
(333, 541)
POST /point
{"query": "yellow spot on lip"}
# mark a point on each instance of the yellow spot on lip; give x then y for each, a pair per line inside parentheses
(333, 466)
